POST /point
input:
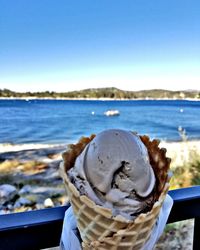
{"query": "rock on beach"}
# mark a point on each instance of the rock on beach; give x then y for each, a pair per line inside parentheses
(7, 193)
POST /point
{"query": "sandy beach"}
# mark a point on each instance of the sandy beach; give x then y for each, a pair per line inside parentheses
(179, 152)
(38, 163)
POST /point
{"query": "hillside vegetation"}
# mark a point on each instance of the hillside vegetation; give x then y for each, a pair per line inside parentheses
(112, 93)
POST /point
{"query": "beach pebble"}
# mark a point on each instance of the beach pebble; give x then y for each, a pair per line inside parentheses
(22, 201)
(2, 212)
(34, 198)
(48, 191)
(39, 206)
(7, 192)
(48, 203)
(25, 190)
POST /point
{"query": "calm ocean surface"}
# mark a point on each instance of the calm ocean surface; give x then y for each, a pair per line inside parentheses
(65, 121)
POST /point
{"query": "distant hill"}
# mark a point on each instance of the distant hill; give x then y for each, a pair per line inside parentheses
(113, 93)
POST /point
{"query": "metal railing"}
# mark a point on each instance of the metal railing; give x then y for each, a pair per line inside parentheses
(42, 228)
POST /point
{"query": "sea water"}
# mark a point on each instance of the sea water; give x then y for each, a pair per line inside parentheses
(65, 121)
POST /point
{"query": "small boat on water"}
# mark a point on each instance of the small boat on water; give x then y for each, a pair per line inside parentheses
(112, 112)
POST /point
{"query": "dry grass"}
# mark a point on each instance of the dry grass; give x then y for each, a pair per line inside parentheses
(187, 174)
(28, 167)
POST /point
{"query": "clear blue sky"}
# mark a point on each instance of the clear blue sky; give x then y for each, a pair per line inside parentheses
(130, 44)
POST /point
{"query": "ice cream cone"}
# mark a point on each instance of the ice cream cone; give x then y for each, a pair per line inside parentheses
(101, 230)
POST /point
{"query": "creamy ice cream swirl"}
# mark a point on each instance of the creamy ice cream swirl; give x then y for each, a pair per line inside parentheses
(114, 171)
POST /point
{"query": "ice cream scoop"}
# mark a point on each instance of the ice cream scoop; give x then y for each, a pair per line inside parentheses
(112, 212)
(114, 170)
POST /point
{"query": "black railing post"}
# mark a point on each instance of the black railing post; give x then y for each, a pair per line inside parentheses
(196, 237)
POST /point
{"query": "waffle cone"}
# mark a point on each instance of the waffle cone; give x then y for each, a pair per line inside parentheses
(101, 230)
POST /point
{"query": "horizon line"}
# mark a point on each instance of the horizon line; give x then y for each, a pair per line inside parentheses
(99, 88)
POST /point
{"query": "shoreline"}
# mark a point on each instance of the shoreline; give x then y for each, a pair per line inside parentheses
(38, 145)
(179, 151)
(29, 98)
(9, 148)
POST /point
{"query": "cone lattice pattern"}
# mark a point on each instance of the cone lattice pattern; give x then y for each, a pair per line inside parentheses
(98, 228)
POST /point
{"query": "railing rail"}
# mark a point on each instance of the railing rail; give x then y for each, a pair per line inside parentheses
(42, 228)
